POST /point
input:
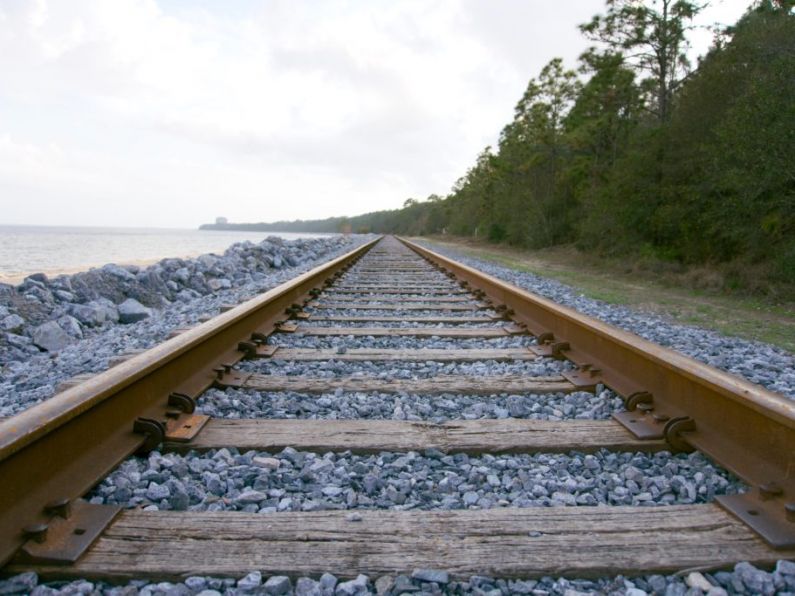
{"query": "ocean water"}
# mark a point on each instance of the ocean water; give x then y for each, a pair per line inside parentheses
(53, 250)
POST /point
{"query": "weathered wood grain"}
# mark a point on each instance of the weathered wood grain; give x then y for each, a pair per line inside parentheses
(407, 331)
(505, 542)
(390, 286)
(473, 355)
(390, 270)
(372, 436)
(430, 319)
(401, 306)
(458, 384)
(436, 278)
(365, 298)
(451, 291)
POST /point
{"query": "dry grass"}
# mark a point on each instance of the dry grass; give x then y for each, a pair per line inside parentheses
(694, 295)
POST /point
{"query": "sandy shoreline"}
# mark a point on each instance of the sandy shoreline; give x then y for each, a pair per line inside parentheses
(17, 278)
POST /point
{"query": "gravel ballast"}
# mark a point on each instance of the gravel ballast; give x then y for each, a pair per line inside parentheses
(31, 375)
(405, 370)
(225, 479)
(342, 405)
(298, 340)
(758, 362)
(744, 578)
(269, 483)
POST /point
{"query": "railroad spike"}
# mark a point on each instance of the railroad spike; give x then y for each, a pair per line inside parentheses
(154, 432)
(36, 532)
(636, 398)
(674, 428)
(770, 490)
(248, 348)
(184, 403)
(259, 337)
(60, 507)
(558, 348)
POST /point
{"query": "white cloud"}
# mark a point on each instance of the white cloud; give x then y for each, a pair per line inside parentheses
(169, 112)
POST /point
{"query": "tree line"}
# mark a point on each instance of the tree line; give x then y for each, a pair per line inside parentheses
(636, 152)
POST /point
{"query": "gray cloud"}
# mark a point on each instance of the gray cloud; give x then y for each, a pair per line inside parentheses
(154, 112)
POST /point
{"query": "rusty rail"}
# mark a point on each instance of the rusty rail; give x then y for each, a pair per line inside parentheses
(55, 451)
(744, 427)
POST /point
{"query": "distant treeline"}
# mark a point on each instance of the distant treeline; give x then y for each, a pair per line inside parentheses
(636, 153)
(379, 221)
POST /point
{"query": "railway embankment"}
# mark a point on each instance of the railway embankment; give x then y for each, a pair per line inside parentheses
(58, 328)
(392, 425)
(757, 361)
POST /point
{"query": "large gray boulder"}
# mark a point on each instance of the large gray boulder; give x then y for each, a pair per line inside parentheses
(131, 311)
(51, 337)
(63, 295)
(118, 271)
(153, 282)
(206, 262)
(71, 325)
(181, 275)
(111, 312)
(219, 284)
(13, 323)
(20, 342)
(91, 314)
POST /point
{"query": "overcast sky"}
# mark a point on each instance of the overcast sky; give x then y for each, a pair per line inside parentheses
(169, 113)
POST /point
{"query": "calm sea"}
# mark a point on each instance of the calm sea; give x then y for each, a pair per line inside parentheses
(53, 250)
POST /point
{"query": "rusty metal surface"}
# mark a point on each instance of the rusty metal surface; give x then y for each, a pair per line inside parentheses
(61, 447)
(69, 534)
(184, 427)
(744, 427)
(767, 516)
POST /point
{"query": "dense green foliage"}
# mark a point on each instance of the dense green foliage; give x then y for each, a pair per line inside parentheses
(634, 153)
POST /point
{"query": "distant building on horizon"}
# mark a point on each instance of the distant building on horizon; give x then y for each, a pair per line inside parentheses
(221, 221)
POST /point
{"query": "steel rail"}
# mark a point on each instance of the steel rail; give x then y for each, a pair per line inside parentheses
(746, 428)
(58, 449)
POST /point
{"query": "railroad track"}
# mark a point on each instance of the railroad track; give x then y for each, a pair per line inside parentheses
(389, 306)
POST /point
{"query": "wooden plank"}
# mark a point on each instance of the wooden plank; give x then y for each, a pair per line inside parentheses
(383, 319)
(360, 354)
(394, 269)
(407, 331)
(452, 290)
(370, 298)
(402, 306)
(381, 281)
(391, 279)
(392, 285)
(389, 276)
(502, 542)
(405, 289)
(392, 275)
(372, 436)
(459, 384)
